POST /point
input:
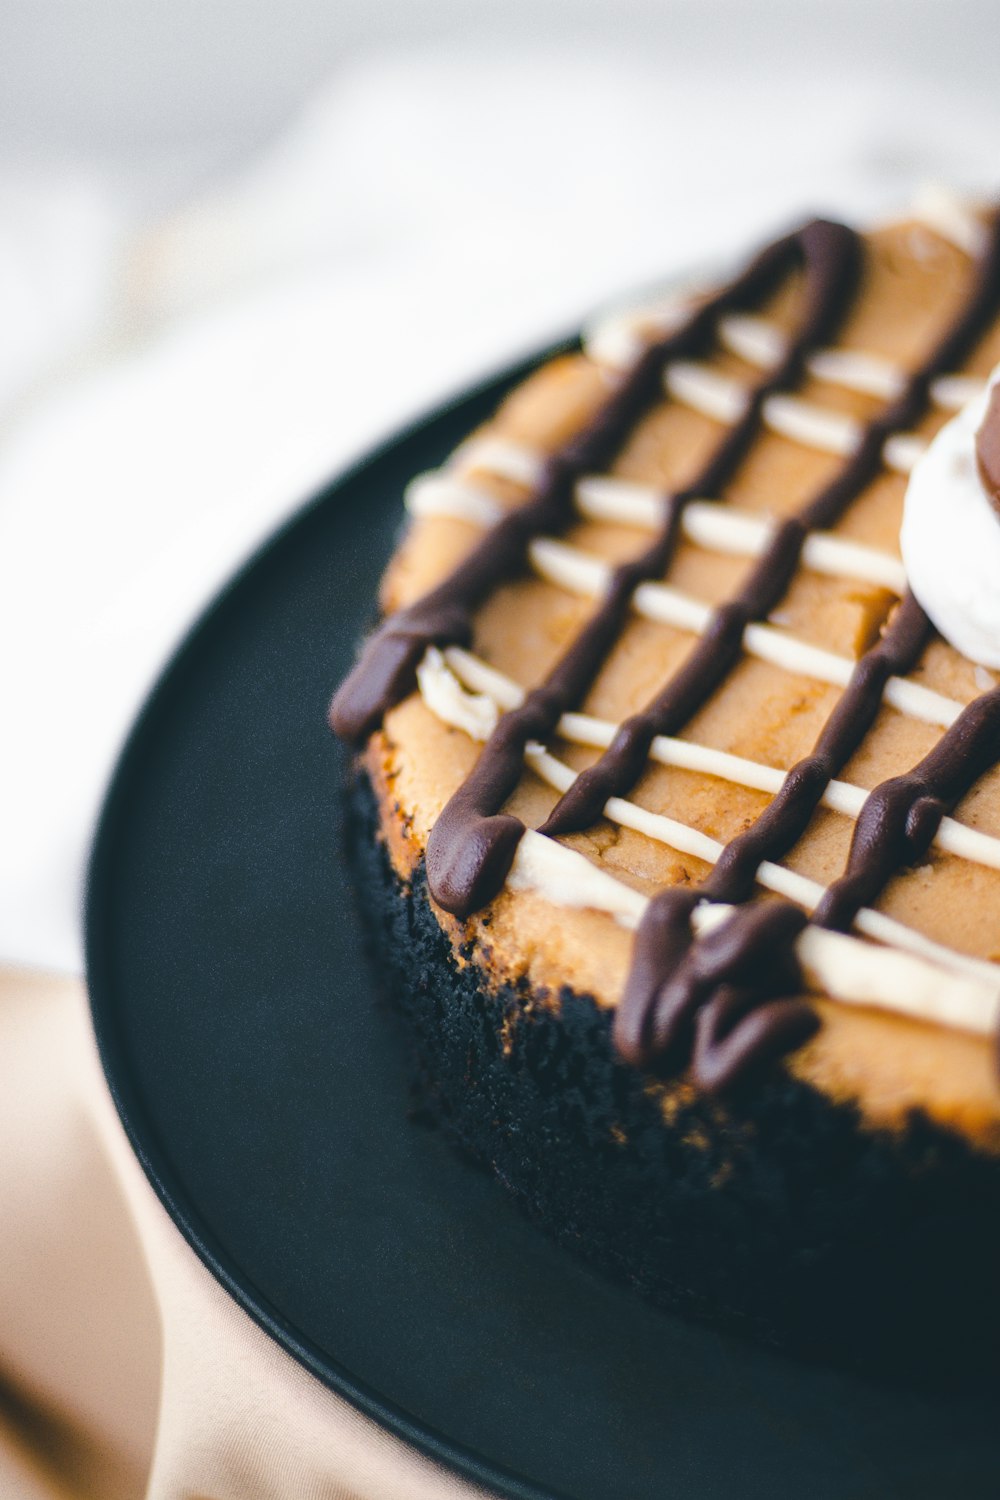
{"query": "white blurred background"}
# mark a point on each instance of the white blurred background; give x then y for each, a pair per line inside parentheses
(241, 239)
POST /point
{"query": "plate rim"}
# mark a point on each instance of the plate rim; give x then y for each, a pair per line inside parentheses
(154, 1161)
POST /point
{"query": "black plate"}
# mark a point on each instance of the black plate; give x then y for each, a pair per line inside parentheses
(266, 1096)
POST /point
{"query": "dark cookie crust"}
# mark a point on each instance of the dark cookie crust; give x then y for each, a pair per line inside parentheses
(777, 1215)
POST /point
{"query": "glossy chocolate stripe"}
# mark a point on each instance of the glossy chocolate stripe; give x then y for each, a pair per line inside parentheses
(900, 816)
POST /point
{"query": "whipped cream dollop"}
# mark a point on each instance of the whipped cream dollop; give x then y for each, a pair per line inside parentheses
(950, 536)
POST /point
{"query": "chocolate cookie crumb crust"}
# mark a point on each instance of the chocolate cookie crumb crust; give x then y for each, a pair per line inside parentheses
(779, 1213)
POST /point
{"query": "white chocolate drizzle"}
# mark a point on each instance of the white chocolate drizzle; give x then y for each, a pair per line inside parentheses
(704, 389)
(710, 524)
(438, 493)
(445, 696)
(580, 573)
(490, 452)
(763, 344)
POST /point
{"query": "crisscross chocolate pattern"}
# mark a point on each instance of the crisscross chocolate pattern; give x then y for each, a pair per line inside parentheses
(722, 1001)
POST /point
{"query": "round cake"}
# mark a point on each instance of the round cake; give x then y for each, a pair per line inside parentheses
(677, 816)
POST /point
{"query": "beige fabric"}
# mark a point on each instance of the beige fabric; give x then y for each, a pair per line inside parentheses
(125, 1370)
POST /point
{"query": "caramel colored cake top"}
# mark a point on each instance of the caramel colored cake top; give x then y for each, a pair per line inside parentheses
(712, 560)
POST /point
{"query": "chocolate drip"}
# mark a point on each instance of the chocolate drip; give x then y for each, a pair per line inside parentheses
(685, 996)
(988, 449)
(472, 844)
(740, 1035)
(386, 671)
(900, 817)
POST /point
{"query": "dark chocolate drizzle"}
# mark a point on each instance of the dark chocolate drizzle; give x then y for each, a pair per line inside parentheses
(685, 999)
(726, 1001)
(900, 817)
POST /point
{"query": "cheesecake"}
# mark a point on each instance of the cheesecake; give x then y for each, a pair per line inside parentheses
(675, 792)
